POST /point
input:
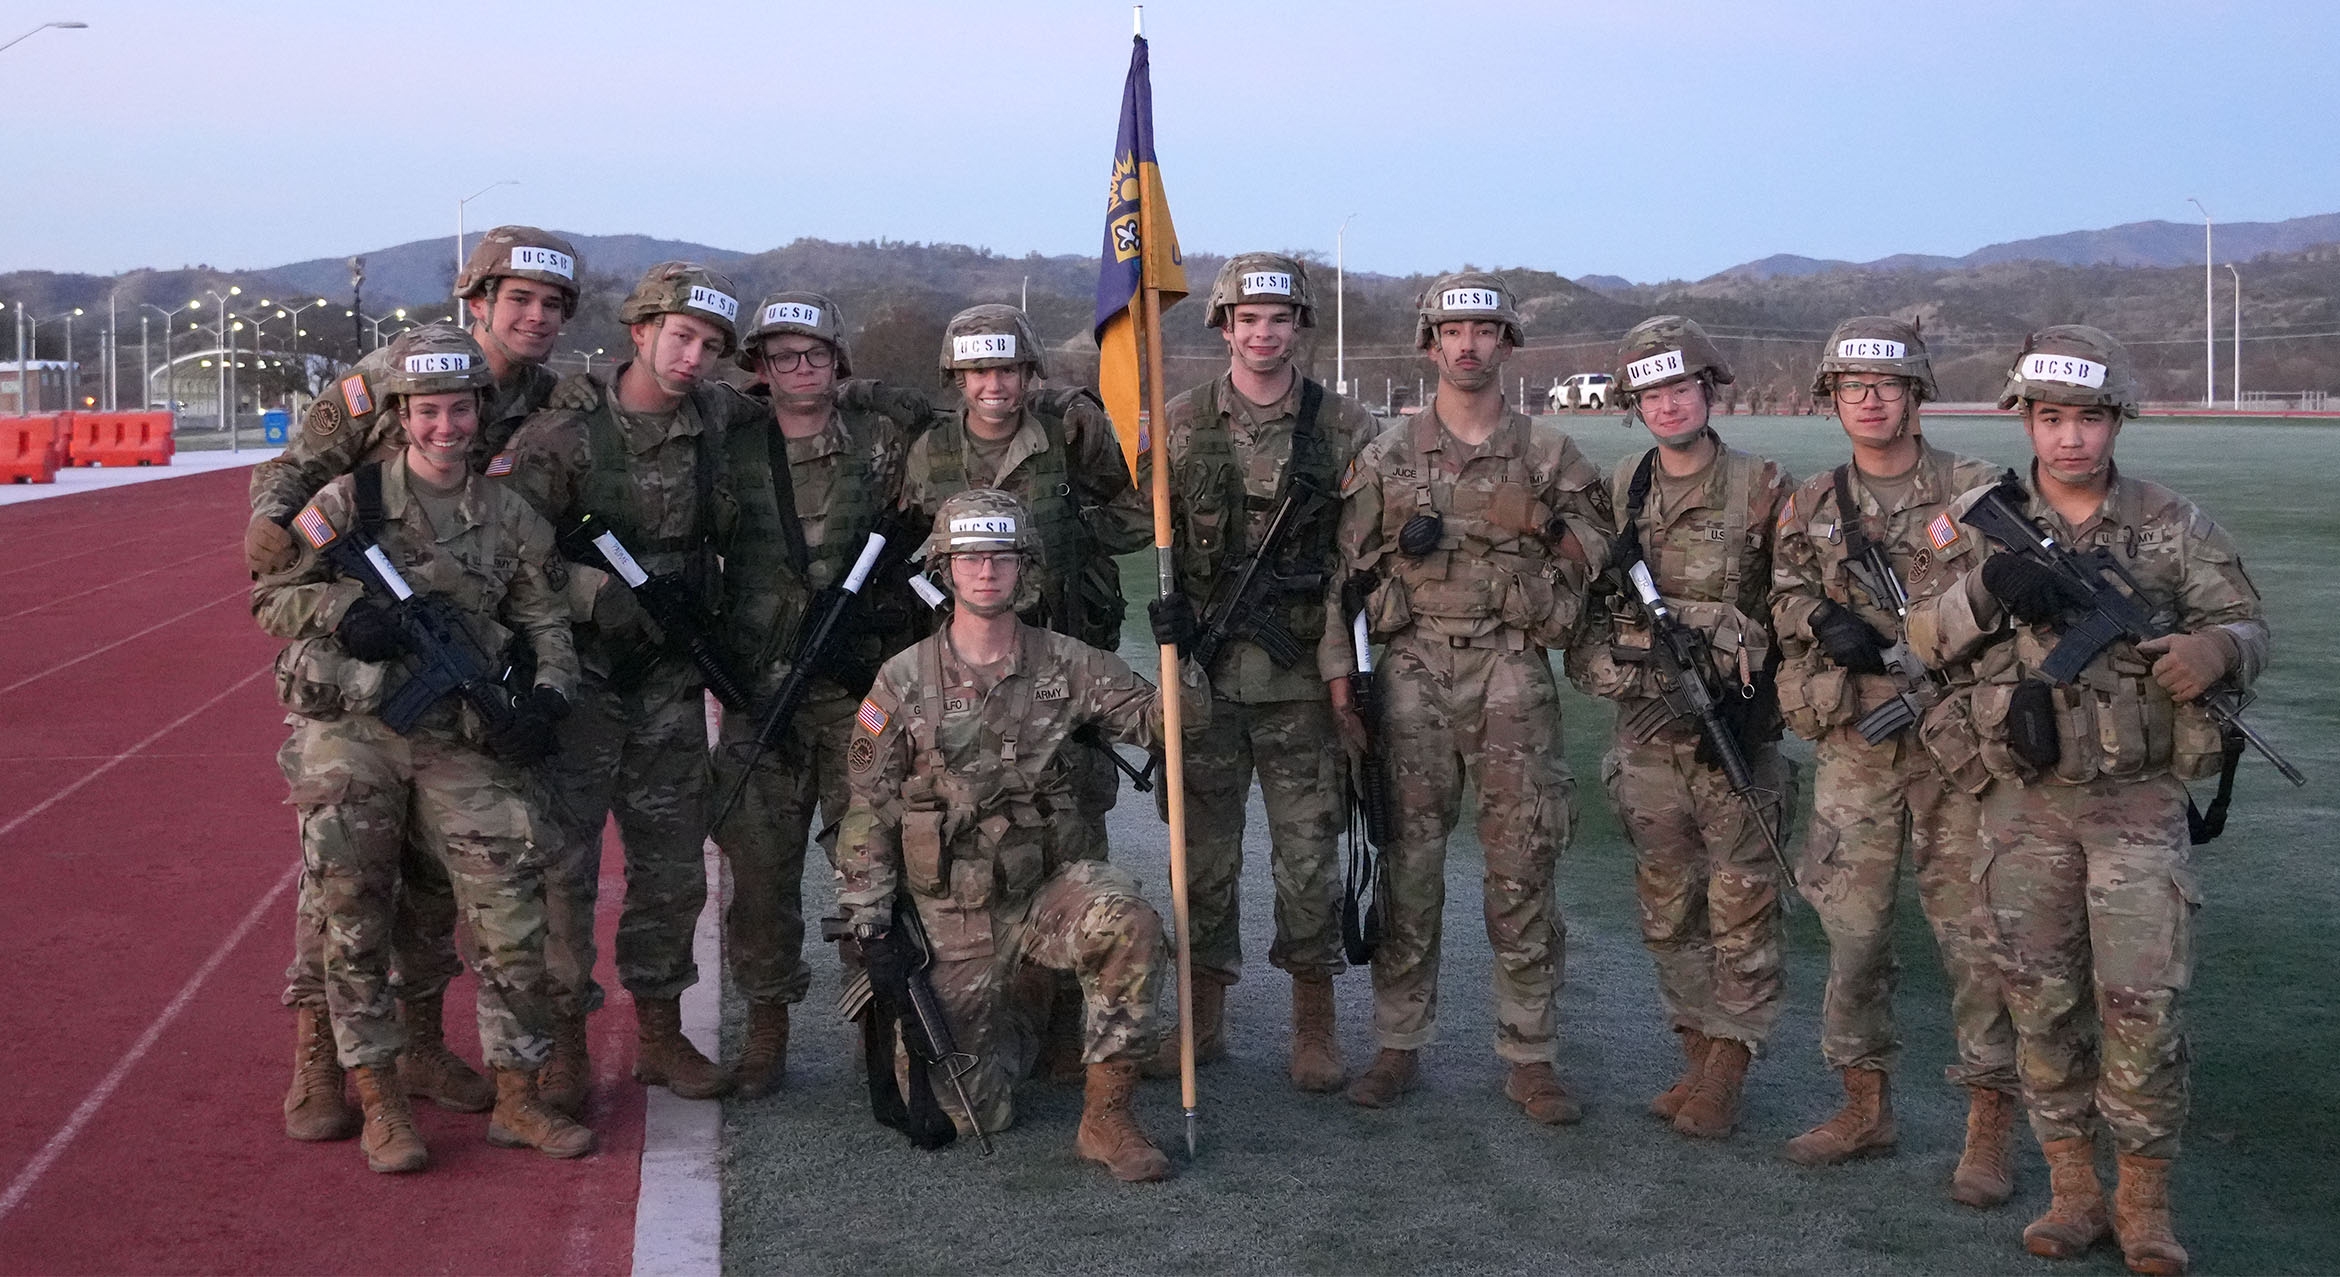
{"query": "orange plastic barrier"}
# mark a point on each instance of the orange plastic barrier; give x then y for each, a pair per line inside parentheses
(28, 450)
(60, 437)
(122, 439)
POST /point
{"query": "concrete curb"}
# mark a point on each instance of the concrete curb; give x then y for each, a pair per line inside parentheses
(678, 1216)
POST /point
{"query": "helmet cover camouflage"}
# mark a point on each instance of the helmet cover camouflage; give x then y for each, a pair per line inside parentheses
(1664, 349)
(991, 336)
(805, 314)
(685, 288)
(1467, 296)
(1261, 278)
(1878, 344)
(521, 252)
(985, 521)
(2072, 364)
(436, 359)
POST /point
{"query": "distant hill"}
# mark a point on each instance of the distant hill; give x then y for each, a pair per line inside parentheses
(2133, 244)
(423, 271)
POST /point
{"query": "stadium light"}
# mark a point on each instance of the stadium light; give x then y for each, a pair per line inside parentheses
(463, 312)
(2209, 316)
(61, 26)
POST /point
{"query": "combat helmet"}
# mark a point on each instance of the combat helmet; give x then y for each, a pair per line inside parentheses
(985, 521)
(521, 252)
(685, 288)
(1467, 296)
(1878, 344)
(806, 314)
(2072, 364)
(1255, 278)
(1664, 349)
(435, 359)
(991, 336)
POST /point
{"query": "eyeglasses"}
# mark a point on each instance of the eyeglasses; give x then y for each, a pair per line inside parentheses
(1890, 390)
(995, 561)
(789, 360)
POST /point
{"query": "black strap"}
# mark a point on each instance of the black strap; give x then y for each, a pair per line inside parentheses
(784, 491)
(1848, 515)
(371, 513)
(2201, 826)
(1636, 496)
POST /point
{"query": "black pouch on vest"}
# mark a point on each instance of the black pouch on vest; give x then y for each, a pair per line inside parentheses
(2031, 725)
(1420, 535)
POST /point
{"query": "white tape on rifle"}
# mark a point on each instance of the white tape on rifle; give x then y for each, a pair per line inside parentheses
(1648, 588)
(927, 592)
(618, 559)
(870, 550)
(389, 575)
(1364, 648)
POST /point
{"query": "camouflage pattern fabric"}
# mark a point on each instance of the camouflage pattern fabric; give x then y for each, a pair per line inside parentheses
(1292, 747)
(422, 933)
(764, 838)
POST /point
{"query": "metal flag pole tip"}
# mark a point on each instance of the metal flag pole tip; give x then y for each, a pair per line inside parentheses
(1193, 1122)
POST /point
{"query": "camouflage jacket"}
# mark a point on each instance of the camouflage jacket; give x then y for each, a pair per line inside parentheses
(348, 425)
(959, 794)
(493, 567)
(1808, 564)
(1228, 458)
(1496, 576)
(2113, 721)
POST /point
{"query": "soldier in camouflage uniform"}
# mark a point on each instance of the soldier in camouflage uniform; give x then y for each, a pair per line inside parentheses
(1467, 533)
(521, 285)
(1701, 515)
(645, 457)
(1238, 445)
(449, 784)
(814, 479)
(959, 801)
(1835, 634)
(2085, 815)
(1057, 452)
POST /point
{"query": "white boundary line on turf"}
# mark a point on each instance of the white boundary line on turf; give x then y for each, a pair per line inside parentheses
(25, 1179)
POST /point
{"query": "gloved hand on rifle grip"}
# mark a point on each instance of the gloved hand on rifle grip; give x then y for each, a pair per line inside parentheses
(268, 546)
(527, 738)
(369, 631)
(1356, 591)
(2032, 594)
(665, 595)
(1174, 621)
(1849, 641)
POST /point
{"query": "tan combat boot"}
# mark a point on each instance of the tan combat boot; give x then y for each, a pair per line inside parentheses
(2075, 1219)
(561, 1084)
(391, 1145)
(522, 1120)
(1536, 1089)
(667, 1058)
(1986, 1170)
(1694, 1047)
(1109, 1134)
(1316, 1051)
(2141, 1217)
(1210, 1030)
(763, 1055)
(1864, 1125)
(1391, 1075)
(1712, 1111)
(429, 1070)
(316, 1105)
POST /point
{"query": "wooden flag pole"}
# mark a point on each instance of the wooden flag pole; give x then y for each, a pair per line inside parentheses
(1173, 713)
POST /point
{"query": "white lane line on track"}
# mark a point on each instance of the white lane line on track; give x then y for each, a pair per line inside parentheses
(237, 593)
(67, 598)
(33, 1170)
(111, 548)
(118, 759)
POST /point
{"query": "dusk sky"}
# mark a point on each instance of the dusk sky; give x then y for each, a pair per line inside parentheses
(1643, 140)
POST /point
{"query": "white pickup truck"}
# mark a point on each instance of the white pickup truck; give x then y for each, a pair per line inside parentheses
(1584, 390)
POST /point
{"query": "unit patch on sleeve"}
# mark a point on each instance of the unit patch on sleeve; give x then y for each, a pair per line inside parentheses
(323, 418)
(861, 755)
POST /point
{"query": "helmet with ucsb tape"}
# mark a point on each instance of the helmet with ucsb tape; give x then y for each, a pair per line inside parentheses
(2073, 364)
(685, 288)
(521, 252)
(1664, 349)
(804, 314)
(436, 359)
(1877, 344)
(1261, 279)
(991, 336)
(1471, 296)
(985, 521)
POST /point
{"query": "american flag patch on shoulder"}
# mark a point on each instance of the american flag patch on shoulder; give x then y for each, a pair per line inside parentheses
(1787, 511)
(872, 717)
(1942, 532)
(501, 466)
(314, 526)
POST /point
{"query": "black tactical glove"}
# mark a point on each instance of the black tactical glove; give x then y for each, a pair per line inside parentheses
(1356, 591)
(1174, 621)
(369, 631)
(1849, 641)
(665, 595)
(2032, 594)
(527, 737)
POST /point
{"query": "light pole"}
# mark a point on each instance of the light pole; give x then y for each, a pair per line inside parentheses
(227, 405)
(73, 374)
(398, 315)
(1341, 306)
(294, 313)
(61, 26)
(23, 403)
(462, 313)
(2209, 316)
(145, 368)
(113, 374)
(170, 319)
(588, 356)
(2237, 335)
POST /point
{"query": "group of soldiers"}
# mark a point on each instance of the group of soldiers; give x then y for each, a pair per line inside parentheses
(1354, 602)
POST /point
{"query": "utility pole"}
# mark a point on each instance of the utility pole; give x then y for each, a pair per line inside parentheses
(2237, 334)
(2209, 316)
(462, 312)
(1341, 304)
(145, 368)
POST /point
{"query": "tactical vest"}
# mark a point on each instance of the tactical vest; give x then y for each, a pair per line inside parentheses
(776, 565)
(1043, 482)
(1491, 560)
(1216, 507)
(610, 486)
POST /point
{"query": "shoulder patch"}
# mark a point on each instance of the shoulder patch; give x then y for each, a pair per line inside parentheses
(1787, 512)
(872, 718)
(500, 466)
(861, 755)
(323, 418)
(1942, 532)
(315, 527)
(356, 395)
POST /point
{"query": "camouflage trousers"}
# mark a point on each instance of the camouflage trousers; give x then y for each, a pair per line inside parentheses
(764, 837)
(642, 756)
(1087, 920)
(1096, 787)
(422, 933)
(1495, 713)
(365, 795)
(1708, 885)
(1291, 745)
(1868, 800)
(2094, 903)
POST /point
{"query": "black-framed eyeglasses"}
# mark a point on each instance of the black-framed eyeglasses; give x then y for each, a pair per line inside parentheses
(789, 360)
(1890, 390)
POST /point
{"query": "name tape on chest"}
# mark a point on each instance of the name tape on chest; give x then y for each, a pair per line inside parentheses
(2069, 369)
(315, 528)
(444, 361)
(1659, 367)
(792, 313)
(984, 346)
(1470, 299)
(544, 261)
(1267, 281)
(713, 302)
(1870, 348)
(872, 718)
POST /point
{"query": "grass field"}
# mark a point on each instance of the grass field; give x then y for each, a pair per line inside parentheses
(1454, 1180)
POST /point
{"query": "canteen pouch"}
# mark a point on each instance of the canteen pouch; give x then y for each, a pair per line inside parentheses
(923, 862)
(2031, 725)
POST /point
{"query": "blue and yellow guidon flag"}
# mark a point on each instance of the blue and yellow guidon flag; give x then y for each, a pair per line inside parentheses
(1133, 261)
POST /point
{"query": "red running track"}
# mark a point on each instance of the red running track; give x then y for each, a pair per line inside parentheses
(146, 918)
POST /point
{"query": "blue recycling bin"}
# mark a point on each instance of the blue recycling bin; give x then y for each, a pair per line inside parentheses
(275, 425)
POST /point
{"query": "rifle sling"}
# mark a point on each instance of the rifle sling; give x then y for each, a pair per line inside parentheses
(784, 492)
